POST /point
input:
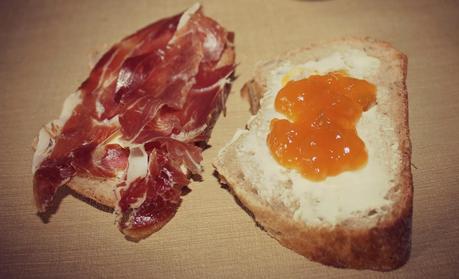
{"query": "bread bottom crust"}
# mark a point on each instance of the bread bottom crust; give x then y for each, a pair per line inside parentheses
(384, 247)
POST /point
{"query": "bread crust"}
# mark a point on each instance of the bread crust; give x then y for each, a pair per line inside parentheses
(102, 191)
(98, 189)
(383, 247)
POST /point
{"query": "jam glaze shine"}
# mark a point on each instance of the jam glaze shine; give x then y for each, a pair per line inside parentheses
(319, 137)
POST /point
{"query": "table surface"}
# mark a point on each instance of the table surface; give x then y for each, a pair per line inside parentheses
(44, 53)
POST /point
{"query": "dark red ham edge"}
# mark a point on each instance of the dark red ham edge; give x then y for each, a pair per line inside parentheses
(166, 86)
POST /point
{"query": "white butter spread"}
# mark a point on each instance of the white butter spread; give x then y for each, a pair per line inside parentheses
(336, 198)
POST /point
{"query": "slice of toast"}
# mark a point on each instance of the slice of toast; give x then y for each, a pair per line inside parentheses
(359, 219)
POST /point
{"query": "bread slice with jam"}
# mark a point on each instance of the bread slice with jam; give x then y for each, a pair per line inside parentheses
(357, 219)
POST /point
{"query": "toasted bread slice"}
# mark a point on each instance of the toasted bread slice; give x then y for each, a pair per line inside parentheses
(358, 219)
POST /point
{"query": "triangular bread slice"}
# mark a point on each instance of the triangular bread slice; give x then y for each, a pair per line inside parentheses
(359, 219)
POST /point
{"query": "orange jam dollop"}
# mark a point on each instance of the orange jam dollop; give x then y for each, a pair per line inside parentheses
(319, 136)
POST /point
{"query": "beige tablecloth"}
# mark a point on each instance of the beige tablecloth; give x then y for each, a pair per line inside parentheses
(44, 53)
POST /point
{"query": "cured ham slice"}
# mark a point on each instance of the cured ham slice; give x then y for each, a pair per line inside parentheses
(139, 119)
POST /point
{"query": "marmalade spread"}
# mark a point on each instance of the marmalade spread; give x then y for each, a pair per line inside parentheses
(319, 136)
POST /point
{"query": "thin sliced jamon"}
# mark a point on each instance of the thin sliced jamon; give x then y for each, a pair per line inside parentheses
(139, 118)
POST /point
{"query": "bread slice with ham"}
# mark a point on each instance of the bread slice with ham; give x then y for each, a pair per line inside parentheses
(132, 135)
